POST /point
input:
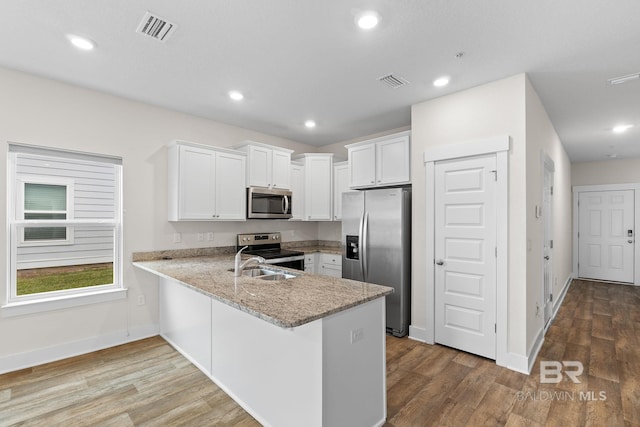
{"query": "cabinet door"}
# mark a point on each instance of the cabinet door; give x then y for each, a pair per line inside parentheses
(330, 265)
(393, 161)
(259, 168)
(340, 185)
(310, 263)
(362, 163)
(297, 192)
(280, 170)
(230, 187)
(196, 198)
(319, 185)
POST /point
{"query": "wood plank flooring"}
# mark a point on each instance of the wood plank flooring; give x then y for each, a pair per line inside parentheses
(147, 383)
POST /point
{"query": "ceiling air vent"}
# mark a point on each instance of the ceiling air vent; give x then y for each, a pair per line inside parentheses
(393, 81)
(156, 27)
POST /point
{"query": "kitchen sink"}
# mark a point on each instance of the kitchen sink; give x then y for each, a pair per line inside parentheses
(266, 273)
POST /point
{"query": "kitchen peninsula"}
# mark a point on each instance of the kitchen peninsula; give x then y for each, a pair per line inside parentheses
(308, 350)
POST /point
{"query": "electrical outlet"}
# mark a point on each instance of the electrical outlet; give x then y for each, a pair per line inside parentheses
(177, 238)
(141, 300)
(210, 236)
(200, 237)
(357, 335)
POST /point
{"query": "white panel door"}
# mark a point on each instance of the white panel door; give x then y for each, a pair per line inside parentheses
(606, 235)
(465, 254)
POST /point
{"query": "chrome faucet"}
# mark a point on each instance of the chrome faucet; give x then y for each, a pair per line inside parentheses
(240, 266)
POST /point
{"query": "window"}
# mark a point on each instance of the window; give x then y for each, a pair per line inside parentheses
(65, 227)
(43, 200)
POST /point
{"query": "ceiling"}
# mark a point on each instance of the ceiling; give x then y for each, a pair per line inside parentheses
(306, 59)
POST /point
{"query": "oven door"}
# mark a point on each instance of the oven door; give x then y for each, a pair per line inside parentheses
(265, 203)
(294, 262)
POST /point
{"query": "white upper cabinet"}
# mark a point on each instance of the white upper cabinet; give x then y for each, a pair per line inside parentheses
(362, 162)
(380, 162)
(206, 183)
(297, 191)
(318, 186)
(340, 185)
(267, 165)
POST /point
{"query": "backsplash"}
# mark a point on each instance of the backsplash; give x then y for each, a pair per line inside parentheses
(223, 250)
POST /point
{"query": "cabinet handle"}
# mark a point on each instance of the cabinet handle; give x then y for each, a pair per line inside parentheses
(372, 182)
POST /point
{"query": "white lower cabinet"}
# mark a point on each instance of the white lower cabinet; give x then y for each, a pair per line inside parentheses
(330, 265)
(309, 375)
(310, 261)
(185, 322)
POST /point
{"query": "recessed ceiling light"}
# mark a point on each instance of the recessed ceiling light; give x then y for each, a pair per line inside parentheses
(368, 20)
(82, 43)
(622, 128)
(235, 95)
(441, 81)
(310, 124)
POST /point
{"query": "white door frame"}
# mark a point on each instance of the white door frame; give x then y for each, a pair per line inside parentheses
(577, 189)
(547, 221)
(500, 147)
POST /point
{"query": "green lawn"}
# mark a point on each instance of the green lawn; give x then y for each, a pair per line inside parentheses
(56, 281)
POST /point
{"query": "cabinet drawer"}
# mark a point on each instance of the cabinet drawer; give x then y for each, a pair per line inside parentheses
(331, 259)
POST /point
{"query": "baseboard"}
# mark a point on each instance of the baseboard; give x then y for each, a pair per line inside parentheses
(563, 292)
(518, 363)
(15, 362)
(417, 334)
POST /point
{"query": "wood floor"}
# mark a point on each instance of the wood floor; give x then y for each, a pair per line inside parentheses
(149, 383)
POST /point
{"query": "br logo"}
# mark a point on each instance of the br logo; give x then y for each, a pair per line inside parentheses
(551, 371)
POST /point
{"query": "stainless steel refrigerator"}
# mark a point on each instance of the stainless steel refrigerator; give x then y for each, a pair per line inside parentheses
(376, 246)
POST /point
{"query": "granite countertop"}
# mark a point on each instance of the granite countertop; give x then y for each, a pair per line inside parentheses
(286, 303)
(321, 249)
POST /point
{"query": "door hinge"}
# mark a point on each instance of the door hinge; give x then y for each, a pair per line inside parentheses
(495, 174)
(496, 252)
(552, 190)
(495, 328)
(550, 297)
(551, 244)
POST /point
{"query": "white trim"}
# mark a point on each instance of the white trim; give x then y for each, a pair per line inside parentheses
(547, 164)
(557, 303)
(577, 189)
(517, 362)
(417, 334)
(379, 139)
(466, 149)
(46, 302)
(15, 362)
(535, 349)
(500, 147)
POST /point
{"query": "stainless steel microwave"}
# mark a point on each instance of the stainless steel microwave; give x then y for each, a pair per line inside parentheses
(268, 203)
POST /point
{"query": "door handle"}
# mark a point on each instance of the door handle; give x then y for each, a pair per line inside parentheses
(439, 262)
(629, 241)
(546, 258)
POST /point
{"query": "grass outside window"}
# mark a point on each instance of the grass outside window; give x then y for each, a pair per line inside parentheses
(52, 279)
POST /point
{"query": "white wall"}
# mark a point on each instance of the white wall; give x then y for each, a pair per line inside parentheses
(542, 138)
(618, 171)
(52, 114)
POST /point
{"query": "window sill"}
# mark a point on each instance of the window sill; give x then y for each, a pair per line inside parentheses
(50, 304)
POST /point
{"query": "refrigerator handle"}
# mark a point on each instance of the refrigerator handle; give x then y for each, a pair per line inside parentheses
(360, 247)
(364, 248)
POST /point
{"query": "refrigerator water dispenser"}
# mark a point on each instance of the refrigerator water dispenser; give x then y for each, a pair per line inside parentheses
(352, 247)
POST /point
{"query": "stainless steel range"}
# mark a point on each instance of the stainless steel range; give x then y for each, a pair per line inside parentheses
(267, 245)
